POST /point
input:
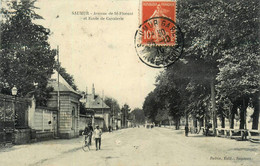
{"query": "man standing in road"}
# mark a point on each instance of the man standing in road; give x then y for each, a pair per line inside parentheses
(97, 135)
(186, 130)
(90, 134)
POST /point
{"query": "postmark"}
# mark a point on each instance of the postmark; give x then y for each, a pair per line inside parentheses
(161, 53)
(158, 40)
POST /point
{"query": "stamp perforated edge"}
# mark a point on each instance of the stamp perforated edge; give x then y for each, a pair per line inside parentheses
(140, 22)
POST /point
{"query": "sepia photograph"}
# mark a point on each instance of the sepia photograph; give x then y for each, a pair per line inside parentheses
(129, 82)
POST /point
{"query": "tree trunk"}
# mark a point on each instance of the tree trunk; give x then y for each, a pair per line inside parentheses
(242, 119)
(195, 124)
(201, 122)
(205, 121)
(256, 114)
(186, 123)
(186, 119)
(222, 121)
(243, 114)
(213, 103)
(232, 117)
(177, 123)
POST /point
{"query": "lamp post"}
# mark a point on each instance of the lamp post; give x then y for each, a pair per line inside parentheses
(113, 119)
(125, 119)
(14, 93)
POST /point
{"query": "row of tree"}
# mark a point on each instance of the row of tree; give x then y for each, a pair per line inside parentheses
(125, 113)
(219, 71)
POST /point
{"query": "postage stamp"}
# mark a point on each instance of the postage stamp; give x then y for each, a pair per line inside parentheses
(159, 41)
(154, 31)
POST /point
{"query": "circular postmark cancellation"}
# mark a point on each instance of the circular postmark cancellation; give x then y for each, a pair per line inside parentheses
(159, 42)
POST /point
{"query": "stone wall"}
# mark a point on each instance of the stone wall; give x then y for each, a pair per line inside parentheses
(41, 136)
(22, 136)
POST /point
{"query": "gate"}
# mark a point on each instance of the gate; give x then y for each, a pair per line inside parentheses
(13, 114)
(7, 120)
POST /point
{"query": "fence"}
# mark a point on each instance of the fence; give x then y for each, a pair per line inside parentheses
(254, 136)
(241, 134)
(44, 119)
(13, 115)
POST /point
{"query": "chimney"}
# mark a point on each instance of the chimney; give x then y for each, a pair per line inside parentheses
(86, 90)
(93, 91)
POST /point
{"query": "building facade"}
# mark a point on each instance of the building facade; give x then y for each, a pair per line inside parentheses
(66, 100)
(101, 111)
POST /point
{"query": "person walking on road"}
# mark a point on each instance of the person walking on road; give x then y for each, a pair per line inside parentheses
(207, 129)
(91, 132)
(109, 128)
(186, 130)
(88, 133)
(97, 135)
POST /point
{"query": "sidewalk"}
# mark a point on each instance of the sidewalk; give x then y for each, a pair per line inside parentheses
(36, 153)
(32, 154)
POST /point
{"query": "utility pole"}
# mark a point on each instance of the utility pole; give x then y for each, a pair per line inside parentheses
(113, 119)
(102, 102)
(58, 92)
(102, 106)
(125, 117)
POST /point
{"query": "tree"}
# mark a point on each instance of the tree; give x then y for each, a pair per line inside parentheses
(68, 77)
(113, 104)
(139, 117)
(216, 30)
(162, 115)
(238, 79)
(82, 108)
(26, 56)
(150, 106)
(168, 99)
(203, 23)
(125, 110)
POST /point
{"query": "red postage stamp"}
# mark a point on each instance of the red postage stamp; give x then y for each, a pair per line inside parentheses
(157, 15)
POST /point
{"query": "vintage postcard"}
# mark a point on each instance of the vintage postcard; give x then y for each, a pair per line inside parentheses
(129, 82)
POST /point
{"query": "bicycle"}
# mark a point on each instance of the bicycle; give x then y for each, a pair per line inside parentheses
(86, 143)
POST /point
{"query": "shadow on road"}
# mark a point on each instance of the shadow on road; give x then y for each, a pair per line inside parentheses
(197, 136)
(244, 149)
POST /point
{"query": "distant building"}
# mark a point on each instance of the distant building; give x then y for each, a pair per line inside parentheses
(117, 122)
(101, 110)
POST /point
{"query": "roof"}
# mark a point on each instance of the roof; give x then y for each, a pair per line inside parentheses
(63, 84)
(94, 102)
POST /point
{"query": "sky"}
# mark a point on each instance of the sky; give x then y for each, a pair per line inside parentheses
(99, 52)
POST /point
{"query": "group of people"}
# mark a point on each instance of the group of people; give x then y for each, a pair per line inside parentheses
(89, 132)
(197, 131)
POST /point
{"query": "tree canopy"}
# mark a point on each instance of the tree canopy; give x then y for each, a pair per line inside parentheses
(138, 116)
(113, 104)
(26, 57)
(68, 77)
